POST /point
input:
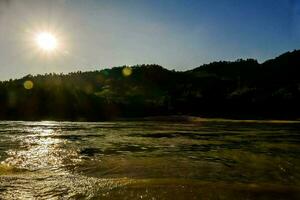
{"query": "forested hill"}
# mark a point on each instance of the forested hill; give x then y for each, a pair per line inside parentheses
(240, 89)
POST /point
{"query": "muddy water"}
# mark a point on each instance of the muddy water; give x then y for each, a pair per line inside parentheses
(205, 159)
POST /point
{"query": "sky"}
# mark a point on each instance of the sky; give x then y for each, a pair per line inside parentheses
(177, 34)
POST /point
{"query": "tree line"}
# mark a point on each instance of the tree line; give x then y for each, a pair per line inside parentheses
(239, 89)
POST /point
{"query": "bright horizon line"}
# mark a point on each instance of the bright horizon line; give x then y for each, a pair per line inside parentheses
(135, 65)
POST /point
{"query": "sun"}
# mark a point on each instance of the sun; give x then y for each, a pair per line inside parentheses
(46, 41)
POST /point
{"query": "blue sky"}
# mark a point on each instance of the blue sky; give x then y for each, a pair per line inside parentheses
(177, 34)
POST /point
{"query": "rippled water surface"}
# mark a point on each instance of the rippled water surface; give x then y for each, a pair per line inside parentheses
(207, 159)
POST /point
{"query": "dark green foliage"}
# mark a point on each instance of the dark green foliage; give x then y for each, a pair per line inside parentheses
(243, 88)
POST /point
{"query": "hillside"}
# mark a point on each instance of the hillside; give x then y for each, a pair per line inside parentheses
(240, 89)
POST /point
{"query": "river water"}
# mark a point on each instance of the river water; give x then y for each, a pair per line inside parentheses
(204, 159)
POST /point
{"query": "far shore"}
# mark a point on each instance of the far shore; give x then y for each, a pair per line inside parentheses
(168, 118)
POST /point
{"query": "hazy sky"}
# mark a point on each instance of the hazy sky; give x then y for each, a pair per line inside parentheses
(177, 34)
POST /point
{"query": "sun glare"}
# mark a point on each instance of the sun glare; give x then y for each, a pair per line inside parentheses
(46, 41)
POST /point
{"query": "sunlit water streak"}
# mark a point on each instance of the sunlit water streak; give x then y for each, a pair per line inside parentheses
(209, 159)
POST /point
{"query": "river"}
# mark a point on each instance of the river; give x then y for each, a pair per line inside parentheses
(203, 159)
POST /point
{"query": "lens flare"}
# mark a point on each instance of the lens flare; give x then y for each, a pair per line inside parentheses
(28, 85)
(127, 71)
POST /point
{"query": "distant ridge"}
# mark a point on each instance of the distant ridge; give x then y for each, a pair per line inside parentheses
(239, 89)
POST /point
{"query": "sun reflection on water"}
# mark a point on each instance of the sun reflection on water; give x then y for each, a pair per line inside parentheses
(40, 150)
